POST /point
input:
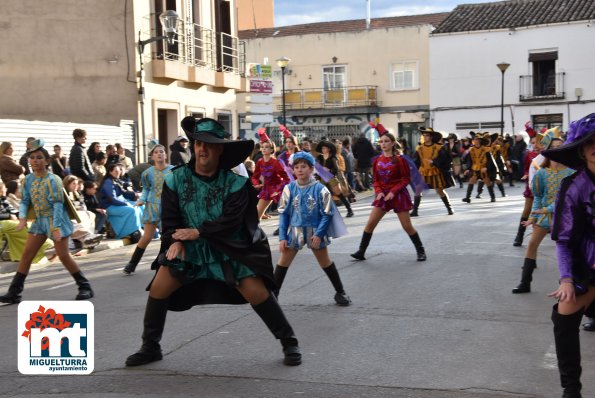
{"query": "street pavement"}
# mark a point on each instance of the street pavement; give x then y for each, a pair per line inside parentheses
(445, 328)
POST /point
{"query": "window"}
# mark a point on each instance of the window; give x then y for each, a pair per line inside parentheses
(544, 72)
(334, 77)
(225, 120)
(548, 121)
(404, 75)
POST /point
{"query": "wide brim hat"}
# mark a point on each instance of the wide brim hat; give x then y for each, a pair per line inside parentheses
(212, 132)
(580, 132)
(436, 135)
(484, 139)
(332, 148)
(36, 145)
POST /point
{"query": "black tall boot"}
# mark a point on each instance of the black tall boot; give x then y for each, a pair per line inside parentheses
(13, 296)
(446, 202)
(341, 298)
(568, 351)
(85, 291)
(347, 205)
(526, 277)
(272, 315)
(363, 245)
(480, 185)
(279, 276)
(153, 324)
(520, 234)
(492, 194)
(460, 180)
(467, 198)
(510, 180)
(136, 256)
(419, 247)
(416, 202)
(501, 188)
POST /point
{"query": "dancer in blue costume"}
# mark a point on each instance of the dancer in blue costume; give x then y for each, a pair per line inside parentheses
(215, 251)
(43, 191)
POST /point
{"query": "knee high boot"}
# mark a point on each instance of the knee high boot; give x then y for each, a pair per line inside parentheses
(510, 180)
(347, 205)
(416, 202)
(526, 277)
(446, 202)
(419, 247)
(467, 198)
(568, 351)
(363, 245)
(274, 318)
(153, 324)
(520, 234)
(480, 185)
(279, 276)
(492, 194)
(460, 181)
(341, 298)
(85, 291)
(501, 188)
(13, 296)
(134, 260)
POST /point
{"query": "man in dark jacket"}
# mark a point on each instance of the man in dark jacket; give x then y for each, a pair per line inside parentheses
(363, 152)
(80, 165)
(180, 152)
(24, 160)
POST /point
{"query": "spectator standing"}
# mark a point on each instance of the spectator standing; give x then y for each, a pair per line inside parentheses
(10, 170)
(79, 162)
(363, 152)
(24, 160)
(180, 152)
(59, 163)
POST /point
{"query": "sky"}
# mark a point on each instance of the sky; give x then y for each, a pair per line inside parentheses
(295, 12)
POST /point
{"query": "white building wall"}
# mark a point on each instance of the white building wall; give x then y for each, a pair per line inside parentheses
(465, 83)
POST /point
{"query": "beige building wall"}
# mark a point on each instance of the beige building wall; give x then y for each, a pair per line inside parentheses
(255, 14)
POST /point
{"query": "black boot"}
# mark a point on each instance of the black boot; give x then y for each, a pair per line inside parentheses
(363, 245)
(480, 185)
(341, 298)
(467, 199)
(416, 202)
(520, 234)
(526, 277)
(13, 296)
(347, 205)
(492, 194)
(501, 188)
(510, 180)
(568, 351)
(153, 324)
(85, 291)
(419, 247)
(272, 315)
(279, 276)
(460, 180)
(136, 256)
(447, 204)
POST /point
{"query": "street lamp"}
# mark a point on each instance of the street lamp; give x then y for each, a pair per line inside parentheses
(169, 20)
(282, 63)
(502, 66)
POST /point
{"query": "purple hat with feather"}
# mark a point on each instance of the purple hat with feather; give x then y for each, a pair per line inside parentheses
(579, 132)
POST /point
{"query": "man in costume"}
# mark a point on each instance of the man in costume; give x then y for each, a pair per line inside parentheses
(478, 157)
(215, 253)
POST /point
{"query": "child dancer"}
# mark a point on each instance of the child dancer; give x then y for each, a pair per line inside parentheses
(152, 182)
(43, 191)
(305, 213)
(391, 176)
(273, 175)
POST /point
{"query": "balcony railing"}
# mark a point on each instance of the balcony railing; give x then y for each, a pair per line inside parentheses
(320, 98)
(198, 46)
(534, 88)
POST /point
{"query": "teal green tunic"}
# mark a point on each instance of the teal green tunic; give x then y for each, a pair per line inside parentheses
(201, 200)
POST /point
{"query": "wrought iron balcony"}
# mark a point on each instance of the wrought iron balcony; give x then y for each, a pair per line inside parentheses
(320, 98)
(536, 88)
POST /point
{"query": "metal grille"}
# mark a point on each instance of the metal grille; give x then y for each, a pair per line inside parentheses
(316, 133)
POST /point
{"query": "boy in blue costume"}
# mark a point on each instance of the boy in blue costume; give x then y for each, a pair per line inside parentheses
(305, 214)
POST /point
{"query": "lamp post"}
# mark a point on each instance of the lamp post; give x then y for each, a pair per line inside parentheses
(502, 66)
(169, 20)
(282, 63)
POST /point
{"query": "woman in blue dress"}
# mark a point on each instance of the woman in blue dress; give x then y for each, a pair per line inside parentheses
(152, 183)
(122, 213)
(43, 193)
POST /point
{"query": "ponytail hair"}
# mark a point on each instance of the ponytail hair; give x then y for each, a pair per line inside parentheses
(397, 147)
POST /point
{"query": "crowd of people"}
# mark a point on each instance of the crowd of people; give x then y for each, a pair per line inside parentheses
(208, 203)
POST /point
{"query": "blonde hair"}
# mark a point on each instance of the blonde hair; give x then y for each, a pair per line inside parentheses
(4, 146)
(69, 180)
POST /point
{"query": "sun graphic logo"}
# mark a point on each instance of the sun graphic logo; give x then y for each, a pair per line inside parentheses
(56, 337)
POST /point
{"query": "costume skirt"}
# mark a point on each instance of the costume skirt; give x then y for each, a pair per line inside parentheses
(399, 203)
(43, 226)
(271, 192)
(125, 219)
(152, 213)
(298, 237)
(228, 271)
(435, 181)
